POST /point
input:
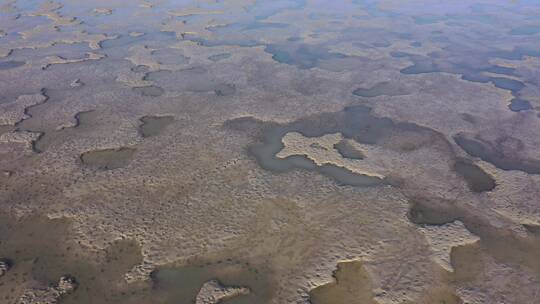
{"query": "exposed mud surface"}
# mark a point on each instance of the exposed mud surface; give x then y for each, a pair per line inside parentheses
(354, 123)
(505, 246)
(274, 152)
(382, 88)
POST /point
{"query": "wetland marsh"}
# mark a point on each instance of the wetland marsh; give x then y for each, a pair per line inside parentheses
(269, 152)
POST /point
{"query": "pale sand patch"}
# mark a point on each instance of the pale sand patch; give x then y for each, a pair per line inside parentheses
(212, 292)
(15, 111)
(321, 150)
(51, 60)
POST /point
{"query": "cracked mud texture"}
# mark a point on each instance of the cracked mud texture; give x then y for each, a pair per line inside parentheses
(312, 152)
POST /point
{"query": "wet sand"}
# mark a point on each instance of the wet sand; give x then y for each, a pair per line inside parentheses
(304, 151)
